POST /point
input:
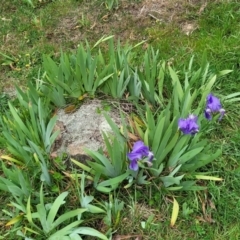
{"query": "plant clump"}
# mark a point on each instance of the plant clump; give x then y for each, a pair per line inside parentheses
(154, 145)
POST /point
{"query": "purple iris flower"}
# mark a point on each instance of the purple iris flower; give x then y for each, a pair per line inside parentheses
(213, 105)
(188, 125)
(139, 151)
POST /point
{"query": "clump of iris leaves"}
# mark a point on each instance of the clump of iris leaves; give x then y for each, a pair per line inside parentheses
(173, 111)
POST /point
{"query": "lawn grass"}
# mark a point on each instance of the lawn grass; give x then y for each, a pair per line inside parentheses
(217, 34)
(30, 32)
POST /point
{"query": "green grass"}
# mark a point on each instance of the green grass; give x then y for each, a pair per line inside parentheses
(218, 34)
(28, 33)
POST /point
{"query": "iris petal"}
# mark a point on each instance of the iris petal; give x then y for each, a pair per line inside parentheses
(134, 156)
(222, 112)
(213, 103)
(139, 151)
(207, 114)
(133, 165)
(150, 156)
(188, 125)
(139, 147)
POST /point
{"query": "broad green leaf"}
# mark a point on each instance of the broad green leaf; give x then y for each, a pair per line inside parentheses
(224, 72)
(115, 153)
(168, 180)
(187, 106)
(233, 95)
(52, 139)
(103, 80)
(64, 231)
(29, 215)
(178, 150)
(232, 100)
(100, 158)
(94, 209)
(42, 214)
(74, 236)
(100, 169)
(204, 70)
(200, 161)
(104, 189)
(150, 123)
(55, 207)
(19, 121)
(176, 105)
(10, 173)
(175, 170)
(67, 216)
(161, 80)
(90, 232)
(12, 188)
(196, 142)
(37, 154)
(20, 206)
(175, 80)
(167, 135)
(169, 147)
(118, 157)
(114, 181)
(139, 130)
(187, 185)
(146, 137)
(92, 71)
(82, 166)
(115, 128)
(156, 172)
(189, 155)
(3, 187)
(34, 123)
(174, 188)
(211, 83)
(158, 135)
(49, 130)
(194, 188)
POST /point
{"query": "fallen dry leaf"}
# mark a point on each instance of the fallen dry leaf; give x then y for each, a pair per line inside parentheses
(123, 237)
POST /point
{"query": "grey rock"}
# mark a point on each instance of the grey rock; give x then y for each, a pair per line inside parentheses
(82, 129)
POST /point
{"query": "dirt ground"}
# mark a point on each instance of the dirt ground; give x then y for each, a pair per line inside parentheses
(128, 21)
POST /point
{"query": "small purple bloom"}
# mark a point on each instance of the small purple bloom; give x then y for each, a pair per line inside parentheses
(139, 151)
(188, 125)
(213, 105)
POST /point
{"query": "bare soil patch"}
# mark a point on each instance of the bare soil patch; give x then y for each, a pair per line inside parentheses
(91, 21)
